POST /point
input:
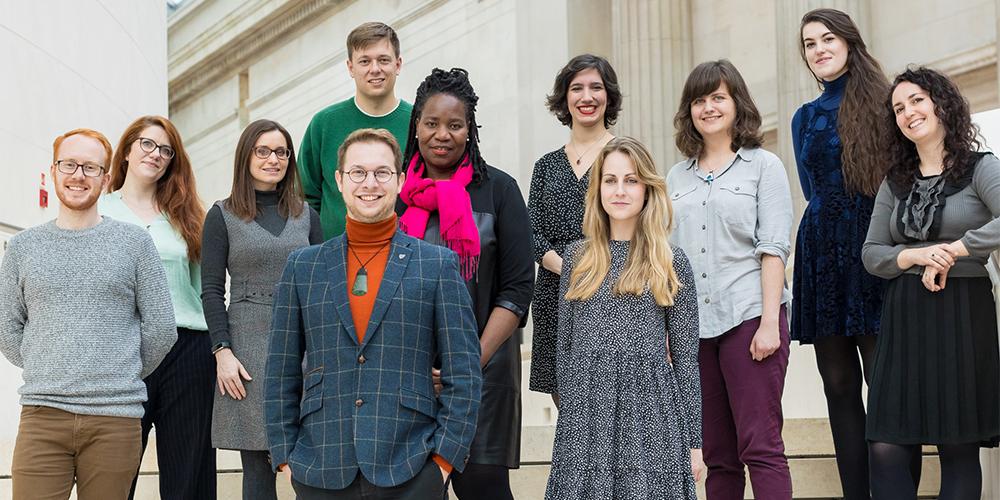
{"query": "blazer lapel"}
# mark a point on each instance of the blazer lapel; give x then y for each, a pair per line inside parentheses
(336, 257)
(399, 258)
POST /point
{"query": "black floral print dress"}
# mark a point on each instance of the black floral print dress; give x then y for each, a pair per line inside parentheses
(555, 205)
(628, 417)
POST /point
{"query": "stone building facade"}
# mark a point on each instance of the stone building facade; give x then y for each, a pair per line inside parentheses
(233, 61)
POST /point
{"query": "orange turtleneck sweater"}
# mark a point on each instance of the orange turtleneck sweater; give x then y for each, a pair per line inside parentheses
(371, 241)
(364, 242)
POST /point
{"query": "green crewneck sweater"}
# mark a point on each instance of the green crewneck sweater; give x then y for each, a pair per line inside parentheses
(318, 154)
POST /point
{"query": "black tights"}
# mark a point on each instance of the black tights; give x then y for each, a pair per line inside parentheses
(893, 477)
(482, 482)
(843, 373)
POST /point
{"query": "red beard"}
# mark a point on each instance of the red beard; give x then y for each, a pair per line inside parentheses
(73, 200)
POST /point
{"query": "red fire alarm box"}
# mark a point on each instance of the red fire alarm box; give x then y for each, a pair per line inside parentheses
(43, 194)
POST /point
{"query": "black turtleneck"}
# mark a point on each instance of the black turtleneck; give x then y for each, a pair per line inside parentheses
(215, 256)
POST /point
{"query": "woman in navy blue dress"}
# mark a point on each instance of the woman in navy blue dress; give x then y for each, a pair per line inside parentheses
(839, 149)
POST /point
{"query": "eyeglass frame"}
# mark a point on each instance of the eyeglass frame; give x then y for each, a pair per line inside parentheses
(288, 152)
(81, 167)
(156, 146)
(374, 174)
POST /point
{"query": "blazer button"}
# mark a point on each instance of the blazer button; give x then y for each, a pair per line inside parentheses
(361, 359)
(358, 403)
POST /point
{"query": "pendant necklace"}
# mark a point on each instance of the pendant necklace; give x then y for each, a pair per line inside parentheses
(585, 151)
(360, 286)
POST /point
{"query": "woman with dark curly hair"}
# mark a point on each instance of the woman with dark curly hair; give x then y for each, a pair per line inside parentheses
(451, 197)
(838, 142)
(585, 97)
(935, 379)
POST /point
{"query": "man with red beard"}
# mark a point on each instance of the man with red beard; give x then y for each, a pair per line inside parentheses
(86, 313)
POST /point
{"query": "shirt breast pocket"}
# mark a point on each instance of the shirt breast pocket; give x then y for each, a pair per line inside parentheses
(737, 204)
(684, 202)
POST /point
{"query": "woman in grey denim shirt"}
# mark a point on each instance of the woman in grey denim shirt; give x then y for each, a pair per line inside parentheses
(734, 218)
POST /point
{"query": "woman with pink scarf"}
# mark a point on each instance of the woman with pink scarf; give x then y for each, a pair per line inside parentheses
(451, 197)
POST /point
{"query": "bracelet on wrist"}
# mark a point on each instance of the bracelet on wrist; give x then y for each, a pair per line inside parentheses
(220, 346)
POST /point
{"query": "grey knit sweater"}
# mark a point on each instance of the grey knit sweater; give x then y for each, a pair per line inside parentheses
(969, 215)
(86, 314)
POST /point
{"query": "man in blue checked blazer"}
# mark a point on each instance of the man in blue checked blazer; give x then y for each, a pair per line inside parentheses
(358, 324)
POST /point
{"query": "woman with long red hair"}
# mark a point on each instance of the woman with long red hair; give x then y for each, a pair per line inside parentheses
(152, 185)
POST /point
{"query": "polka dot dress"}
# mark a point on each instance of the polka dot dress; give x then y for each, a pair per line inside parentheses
(556, 205)
(628, 418)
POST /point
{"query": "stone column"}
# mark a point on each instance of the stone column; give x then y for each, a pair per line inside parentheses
(796, 84)
(652, 53)
(996, 37)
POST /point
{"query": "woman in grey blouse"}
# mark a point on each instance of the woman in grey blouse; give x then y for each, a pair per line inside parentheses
(626, 345)
(935, 223)
(734, 218)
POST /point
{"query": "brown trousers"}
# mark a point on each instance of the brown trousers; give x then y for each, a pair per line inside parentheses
(54, 447)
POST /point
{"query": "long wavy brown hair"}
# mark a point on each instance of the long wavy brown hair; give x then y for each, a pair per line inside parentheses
(242, 200)
(952, 111)
(862, 115)
(650, 264)
(176, 194)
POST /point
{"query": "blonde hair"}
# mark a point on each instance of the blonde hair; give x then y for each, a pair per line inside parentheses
(650, 261)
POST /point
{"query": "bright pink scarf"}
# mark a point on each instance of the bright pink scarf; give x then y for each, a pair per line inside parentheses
(424, 196)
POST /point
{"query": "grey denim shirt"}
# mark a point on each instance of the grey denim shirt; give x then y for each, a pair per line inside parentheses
(725, 223)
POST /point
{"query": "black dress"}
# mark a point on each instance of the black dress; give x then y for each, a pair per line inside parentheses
(833, 294)
(628, 417)
(556, 205)
(504, 279)
(936, 378)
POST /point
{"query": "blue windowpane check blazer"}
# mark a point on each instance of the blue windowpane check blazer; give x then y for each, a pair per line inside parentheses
(334, 406)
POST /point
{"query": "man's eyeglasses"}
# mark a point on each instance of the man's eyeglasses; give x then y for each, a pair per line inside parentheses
(264, 152)
(149, 145)
(69, 167)
(359, 175)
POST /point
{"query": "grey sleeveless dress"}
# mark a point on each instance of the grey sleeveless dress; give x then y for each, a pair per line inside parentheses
(256, 260)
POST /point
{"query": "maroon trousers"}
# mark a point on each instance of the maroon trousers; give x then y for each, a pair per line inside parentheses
(741, 415)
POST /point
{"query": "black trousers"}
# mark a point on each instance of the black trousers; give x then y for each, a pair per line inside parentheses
(179, 405)
(426, 485)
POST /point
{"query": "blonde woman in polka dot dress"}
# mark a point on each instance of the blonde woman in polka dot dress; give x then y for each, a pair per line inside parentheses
(627, 344)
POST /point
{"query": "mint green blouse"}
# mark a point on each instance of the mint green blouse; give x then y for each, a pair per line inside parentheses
(183, 276)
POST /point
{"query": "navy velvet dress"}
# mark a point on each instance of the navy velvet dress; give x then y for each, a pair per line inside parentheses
(832, 292)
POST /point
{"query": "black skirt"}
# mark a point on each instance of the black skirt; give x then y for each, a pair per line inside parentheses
(936, 378)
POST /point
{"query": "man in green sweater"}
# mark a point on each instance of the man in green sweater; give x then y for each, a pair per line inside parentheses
(373, 61)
